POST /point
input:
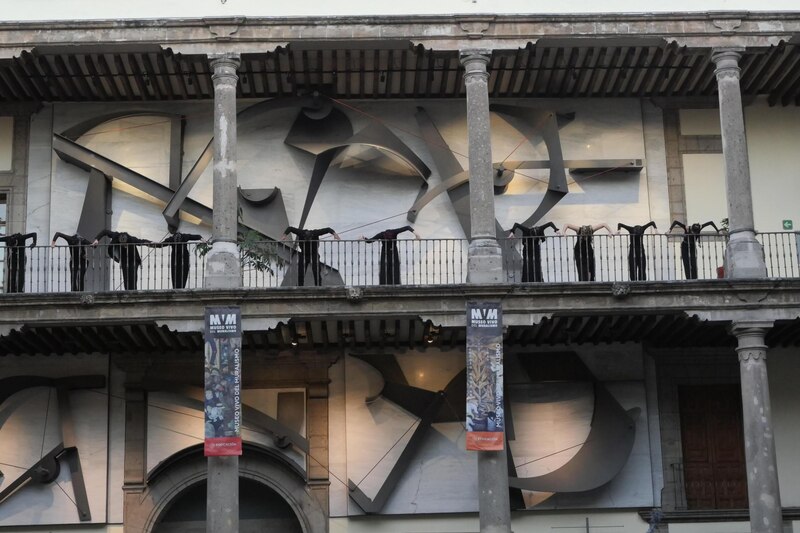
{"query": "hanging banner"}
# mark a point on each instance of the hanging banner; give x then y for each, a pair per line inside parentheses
(223, 377)
(485, 423)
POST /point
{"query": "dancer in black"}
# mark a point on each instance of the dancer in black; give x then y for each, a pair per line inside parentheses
(689, 245)
(78, 262)
(16, 259)
(390, 257)
(123, 250)
(531, 250)
(179, 256)
(584, 249)
(637, 259)
(309, 250)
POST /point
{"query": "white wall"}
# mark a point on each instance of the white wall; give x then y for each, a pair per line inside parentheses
(773, 143)
(6, 143)
(784, 368)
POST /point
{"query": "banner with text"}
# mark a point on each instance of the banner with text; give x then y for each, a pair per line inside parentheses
(485, 422)
(223, 378)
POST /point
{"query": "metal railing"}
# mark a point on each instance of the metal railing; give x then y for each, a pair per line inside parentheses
(550, 259)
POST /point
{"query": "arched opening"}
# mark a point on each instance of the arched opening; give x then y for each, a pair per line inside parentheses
(273, 492)
(261, 510)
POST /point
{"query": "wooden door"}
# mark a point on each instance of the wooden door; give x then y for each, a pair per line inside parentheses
(713, 447)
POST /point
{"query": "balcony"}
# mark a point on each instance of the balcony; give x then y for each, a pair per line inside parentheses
(425, 262)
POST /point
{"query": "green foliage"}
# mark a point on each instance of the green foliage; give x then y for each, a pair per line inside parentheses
(256, 251)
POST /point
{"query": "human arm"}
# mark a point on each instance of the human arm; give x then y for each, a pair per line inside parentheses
(376, 237)
(570, 226)
(31, 235)
(626, 227)
(678, 224)
(514, 228)
(710, 223)
(649, 224)
(602, 225)
(58, 235)
(326, 231)
(549, 225)
(288, 230)
(104, 233)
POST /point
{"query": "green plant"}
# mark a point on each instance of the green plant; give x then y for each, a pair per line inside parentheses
(256, 251)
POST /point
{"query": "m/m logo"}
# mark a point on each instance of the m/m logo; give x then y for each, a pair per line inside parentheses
(483, 314)
(217, 319)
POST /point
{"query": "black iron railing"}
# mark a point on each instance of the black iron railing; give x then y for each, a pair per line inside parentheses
(551, 259)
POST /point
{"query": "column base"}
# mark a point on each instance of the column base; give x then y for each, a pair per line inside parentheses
(485, 263)
(223, 269)
(744, 257)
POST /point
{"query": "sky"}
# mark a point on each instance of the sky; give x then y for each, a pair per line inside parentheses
(31, 10)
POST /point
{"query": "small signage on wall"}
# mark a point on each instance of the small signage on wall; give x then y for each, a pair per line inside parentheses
(223, 381)
(485, 420)
(788, 225)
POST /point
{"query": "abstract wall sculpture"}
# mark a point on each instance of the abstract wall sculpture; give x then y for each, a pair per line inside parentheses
(47, 469)
(320, 129)
(534, 124)
(594, 462)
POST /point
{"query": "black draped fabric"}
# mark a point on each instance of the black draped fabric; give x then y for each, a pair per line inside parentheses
(179, 259)
(78, 262)
(123, 250)
(584, 254)
(689, 246)
(390, 257)
(531, 251)
(16, 260)
(308, 240)
(637, 258)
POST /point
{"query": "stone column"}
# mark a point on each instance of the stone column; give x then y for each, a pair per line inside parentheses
(763, 490)
(744, 256)
(318, 461)
(485, 257)
(135, 465)
(222, 263)
(485, 266)
(223, 271)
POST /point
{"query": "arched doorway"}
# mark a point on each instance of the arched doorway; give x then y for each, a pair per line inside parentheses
(274, 495)
(261, 510)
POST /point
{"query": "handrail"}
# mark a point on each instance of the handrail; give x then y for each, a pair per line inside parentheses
(548, 259)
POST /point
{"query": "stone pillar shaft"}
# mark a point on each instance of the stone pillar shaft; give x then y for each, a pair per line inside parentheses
(485, 256)
(223, 271)
(485, 266)
(222, 263)
(763, 490)
(318, 459)
(744, 255)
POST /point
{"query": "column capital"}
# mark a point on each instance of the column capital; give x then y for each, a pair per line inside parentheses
(475, 62)
(750, 327)
(727, 61)
(750, 339)
(225, 67)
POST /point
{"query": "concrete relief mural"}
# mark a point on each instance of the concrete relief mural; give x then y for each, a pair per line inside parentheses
(54, 435)
(356, 167)
(572, 435)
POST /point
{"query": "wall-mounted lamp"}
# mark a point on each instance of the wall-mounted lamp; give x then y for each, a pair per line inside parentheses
(431, 333)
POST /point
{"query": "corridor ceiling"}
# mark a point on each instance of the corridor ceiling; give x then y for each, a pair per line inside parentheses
(551, 68)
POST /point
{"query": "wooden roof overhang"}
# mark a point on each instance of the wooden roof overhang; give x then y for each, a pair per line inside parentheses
(549, 68)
